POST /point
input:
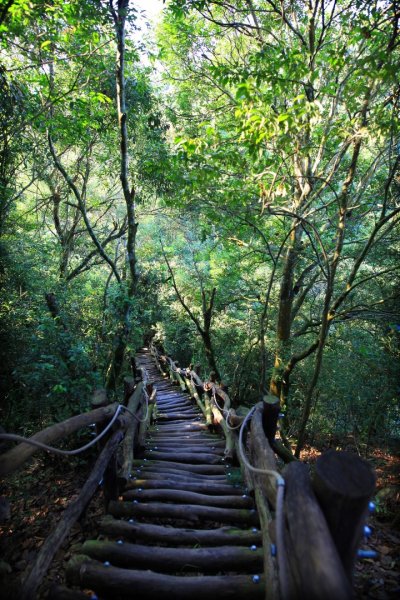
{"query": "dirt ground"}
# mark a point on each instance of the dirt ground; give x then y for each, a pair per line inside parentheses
(39, 493)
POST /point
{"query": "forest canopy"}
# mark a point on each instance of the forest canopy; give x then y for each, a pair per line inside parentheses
(228, 187)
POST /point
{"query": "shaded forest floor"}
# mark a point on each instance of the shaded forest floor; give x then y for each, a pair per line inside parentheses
(39, 494)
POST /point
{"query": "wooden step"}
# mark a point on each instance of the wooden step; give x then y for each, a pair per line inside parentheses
(159, 534)
(172, 483)
(194, 468)
(184, 457)
(175, 474)
(171, 560)
(183, 512)
(109, 582)
(187, 497)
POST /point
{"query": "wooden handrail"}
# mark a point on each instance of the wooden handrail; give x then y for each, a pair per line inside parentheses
(11, 460)
(322, 528)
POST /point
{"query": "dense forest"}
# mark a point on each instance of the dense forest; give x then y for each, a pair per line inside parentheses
(228, 187)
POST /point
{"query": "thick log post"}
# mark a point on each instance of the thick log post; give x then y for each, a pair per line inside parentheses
(110, 483)
(195, 386)
(270, 415)
(311, 552)
(129, 387)
(262, 456)
(129, 440)
(152, 396)
(344, 484)
(180, 380)
(70, 516)
(218, 419)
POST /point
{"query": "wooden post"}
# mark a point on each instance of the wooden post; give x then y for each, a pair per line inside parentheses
(193, 390)
(262, 456)
(69, 517)
(129, 386)
(152, 395)
(128, 443)
(270, 415)
(344, 484)
(110, 483)
(311, 552)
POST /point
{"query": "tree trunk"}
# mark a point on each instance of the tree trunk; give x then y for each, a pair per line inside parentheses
(119, 15)
(209, 350)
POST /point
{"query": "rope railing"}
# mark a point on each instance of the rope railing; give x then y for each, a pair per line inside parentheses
(111, 436)
(313, 516)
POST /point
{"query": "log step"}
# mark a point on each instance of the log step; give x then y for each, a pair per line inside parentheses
(172, 560)
(197, 468)
(183, 512)
(186, 446)
(158, 534)
(177, 416)
(180, 529)
(190, 485)
(176, 475)
(191, 458)
(186, 497)
(148, 585)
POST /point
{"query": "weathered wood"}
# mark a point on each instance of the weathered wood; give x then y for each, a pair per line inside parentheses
(311, 551)
(270, 415)
(175, 474)
(262, 456)
(147, 585)
(170, 560)
(157, 435)
(129, 388)
(197, 468)
(207, 445)
(14, 458)
(69, 517)
(143, 427)
(176, 416)
(344, 484)
(129, 440)
(175, 449)
(184, 457)
(228, 433)
(187, 497)
(269, 566)
(181, 428)
(284, 453)
(190, 485)
(204, 407)
(180, 380)
(174, 535)
(186, 512)
(111, 484)
(99, 398)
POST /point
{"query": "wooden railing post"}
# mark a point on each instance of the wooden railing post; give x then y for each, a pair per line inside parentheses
(344, 484)
(110, 483)
(314, 563)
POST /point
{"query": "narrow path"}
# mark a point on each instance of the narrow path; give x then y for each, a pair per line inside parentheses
(181, 528)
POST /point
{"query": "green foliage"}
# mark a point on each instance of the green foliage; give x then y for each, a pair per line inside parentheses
(244, 170)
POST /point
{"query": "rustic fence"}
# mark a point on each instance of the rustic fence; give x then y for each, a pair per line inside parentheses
(311, 526)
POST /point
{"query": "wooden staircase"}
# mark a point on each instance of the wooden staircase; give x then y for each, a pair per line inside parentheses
(181, 528)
